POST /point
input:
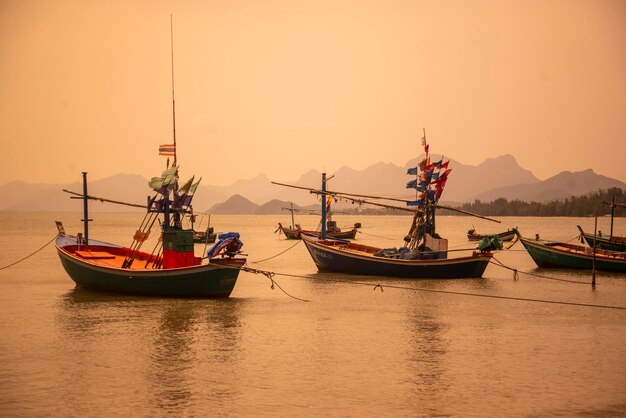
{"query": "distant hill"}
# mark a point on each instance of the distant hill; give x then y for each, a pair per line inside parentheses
(563, 185)
(495, 177)
(235, 205)
(25, 197)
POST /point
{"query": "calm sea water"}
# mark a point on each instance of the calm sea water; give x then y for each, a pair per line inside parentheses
(351, 350)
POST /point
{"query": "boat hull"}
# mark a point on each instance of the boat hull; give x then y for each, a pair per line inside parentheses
(582, 258)
(333, 258)
(203, 239)
(605, 243)
(297, 234)
(214, 280)
(504, 236)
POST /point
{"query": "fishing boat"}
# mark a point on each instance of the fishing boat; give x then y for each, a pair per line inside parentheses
(207, 236)
(554, 254)
(349, 257)
(295, 231)
(424, 254)
(604, 241)
(171, 269)
(333, 231)
(472, 235)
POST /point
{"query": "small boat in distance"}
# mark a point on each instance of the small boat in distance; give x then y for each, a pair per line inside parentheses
(553, 254)
(504, 236)
(603, 241)
(206, 236)
(295, 231)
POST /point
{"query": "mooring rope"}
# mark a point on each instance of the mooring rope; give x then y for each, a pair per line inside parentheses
(499, 263)
(375, 236)
(516, 273)
(29, 255)
(449, 292)
(270, 275)
(274, 256)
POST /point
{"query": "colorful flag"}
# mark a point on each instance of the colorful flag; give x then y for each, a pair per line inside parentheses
(437, 164)
(415, 202)
(170, 176)
(426, 149)
(426, 176)
(412, 171)
(156, 183)
(412, 184)
(444, 165)
(442, 177)
(185, 188)
(167, 149)
(438, 192)
(194, 186)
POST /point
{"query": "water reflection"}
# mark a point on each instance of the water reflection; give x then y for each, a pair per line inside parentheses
(165, 351)
(194, 347)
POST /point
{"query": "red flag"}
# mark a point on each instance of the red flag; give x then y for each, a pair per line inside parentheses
(426, 148)
(445, 165)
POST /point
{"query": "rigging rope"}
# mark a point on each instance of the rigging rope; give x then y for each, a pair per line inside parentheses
(29, 255)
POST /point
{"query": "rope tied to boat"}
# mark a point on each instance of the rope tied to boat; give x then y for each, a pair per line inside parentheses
(29, 255)
(270, 275)
(516, 272)
(381, 288)
(375, 236)
(274, 256)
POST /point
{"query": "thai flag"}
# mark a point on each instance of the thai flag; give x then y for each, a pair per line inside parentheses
(167, 149)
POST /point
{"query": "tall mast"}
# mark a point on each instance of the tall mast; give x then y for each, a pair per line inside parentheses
(173, 102)
(323, 234)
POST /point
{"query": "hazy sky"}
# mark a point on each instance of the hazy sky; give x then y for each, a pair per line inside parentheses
(281, 87)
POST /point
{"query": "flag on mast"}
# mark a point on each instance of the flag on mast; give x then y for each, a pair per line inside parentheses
(167, 149)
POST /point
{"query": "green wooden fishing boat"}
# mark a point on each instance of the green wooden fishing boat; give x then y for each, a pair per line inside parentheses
(552, 254)
(100, 266)
(171, 269)
(604, 241)
(332, 231)
(295, 231)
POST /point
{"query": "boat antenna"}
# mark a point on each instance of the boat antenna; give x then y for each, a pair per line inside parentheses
(173, 102)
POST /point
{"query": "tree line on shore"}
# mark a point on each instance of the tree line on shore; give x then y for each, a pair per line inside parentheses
(597, 203)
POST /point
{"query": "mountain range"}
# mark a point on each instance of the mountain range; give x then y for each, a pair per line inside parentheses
(494, 178)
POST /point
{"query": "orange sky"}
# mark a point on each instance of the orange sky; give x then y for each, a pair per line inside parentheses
(281, 87)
